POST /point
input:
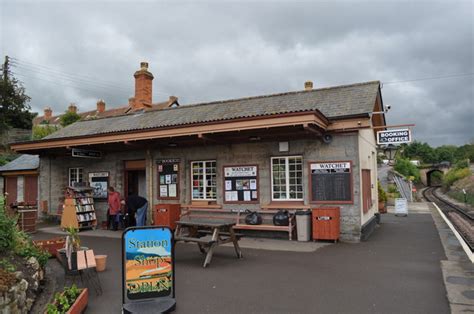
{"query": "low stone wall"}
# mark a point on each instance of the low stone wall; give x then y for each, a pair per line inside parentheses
(20, 297)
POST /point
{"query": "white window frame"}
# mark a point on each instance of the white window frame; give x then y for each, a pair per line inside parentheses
(287, 176)
(81, 170)
(204, 186)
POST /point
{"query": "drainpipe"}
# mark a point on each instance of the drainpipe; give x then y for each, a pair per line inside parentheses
(149, 192)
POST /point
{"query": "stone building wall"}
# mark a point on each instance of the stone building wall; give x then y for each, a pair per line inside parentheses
(54, 171)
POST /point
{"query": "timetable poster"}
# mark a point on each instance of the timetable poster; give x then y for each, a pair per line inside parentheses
(240, 184)
(168, 178)
(331, 182)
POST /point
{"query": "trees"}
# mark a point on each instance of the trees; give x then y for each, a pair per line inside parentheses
(14, 107)
(69, 117)
(40, 131)
(429, 155)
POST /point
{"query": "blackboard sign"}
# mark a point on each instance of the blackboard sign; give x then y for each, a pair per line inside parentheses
(99, 181)
(168, 178)
(241, 184)
(331, 182)
(148, 268)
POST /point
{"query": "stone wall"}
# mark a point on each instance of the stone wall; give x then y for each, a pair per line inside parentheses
(14, 135)
(54, 171)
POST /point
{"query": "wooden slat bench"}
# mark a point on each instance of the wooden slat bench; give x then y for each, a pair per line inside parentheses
(267, 222)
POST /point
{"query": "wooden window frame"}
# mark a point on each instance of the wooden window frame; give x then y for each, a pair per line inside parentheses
(204, 183)
(287, 183)
(69, 174)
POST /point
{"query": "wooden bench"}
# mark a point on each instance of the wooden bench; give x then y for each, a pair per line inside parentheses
(267, 222)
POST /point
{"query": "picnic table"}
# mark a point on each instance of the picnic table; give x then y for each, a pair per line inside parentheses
(208, 235)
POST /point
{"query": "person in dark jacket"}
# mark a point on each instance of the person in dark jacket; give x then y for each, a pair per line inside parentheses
(137, 206)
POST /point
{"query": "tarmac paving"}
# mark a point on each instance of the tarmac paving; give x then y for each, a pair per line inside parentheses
(397, 270)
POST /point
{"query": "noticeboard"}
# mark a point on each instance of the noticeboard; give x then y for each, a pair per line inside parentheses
(241, 184)
(331, 182)
(168, 178)
(147, 264)
(401, 207)
(99, 181)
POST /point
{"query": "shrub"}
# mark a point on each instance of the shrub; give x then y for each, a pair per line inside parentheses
(455, 174)
(69, 118)
(406, 168)
(382, 194)
(40, 131)
(8, 229)
(26, 248)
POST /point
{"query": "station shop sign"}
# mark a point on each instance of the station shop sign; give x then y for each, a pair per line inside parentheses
(398, 136)
(148, 279)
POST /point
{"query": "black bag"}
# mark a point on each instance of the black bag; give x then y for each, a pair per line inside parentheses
(253, 218)
(282, 218)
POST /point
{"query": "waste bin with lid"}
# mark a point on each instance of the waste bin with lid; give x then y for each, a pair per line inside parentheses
(303, 225)
(326, 223)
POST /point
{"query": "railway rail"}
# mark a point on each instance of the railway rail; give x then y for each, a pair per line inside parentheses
(461, 218)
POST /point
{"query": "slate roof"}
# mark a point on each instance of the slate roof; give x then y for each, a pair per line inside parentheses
(24, 162)
(338, 101)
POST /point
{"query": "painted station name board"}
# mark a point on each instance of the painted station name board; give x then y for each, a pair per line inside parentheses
(394, 136)
(243, 171)
(85, 153)
(330, 165)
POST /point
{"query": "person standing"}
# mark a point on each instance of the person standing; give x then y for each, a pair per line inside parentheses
(114, 207)
(137, 205)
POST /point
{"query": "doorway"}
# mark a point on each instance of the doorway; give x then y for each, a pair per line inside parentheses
(135, 183)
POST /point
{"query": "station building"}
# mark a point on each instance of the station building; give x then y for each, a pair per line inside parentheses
(295, 150)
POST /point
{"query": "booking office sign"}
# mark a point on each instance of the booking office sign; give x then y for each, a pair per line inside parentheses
(148, 269)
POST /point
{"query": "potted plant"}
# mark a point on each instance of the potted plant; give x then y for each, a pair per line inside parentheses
(71, 246)
(51, 245)
(71, 301)
(382, 198)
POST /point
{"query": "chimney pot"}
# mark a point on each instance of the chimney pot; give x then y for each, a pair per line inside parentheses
(48, 113)
(72, 108)
(100, 106)
(144, 65)
(308, 85)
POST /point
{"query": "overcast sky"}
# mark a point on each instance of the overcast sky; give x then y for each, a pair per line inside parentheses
(71, 51)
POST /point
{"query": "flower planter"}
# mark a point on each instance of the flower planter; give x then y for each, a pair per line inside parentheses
(51, 245)
(100, 261)
(80, 304)
(382, 208)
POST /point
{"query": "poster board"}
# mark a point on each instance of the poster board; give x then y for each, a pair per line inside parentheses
(241, 184)
(401, 207)
(99, 181)
(148, 267)
(331, 182)
(168, 178)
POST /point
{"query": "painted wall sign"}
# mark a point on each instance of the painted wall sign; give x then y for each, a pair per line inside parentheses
(148, 266)
(86, 153)
(394, 136)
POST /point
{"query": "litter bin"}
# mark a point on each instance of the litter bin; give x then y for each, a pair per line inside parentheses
(303, 225)
(326, 225)
(166, 215)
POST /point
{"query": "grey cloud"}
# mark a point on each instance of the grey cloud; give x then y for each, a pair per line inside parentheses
(209, 50)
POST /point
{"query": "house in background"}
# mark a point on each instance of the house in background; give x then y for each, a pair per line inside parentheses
(19, 180)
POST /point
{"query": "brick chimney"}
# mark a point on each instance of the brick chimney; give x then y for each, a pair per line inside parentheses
(308, 85)
(100, 106)
(143, 87)
(72, 108)
(48, 113)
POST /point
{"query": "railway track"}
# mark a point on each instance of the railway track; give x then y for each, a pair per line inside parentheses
(462, 219)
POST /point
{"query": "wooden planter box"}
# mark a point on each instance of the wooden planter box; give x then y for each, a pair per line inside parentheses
(80, 304)
(51, 245)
